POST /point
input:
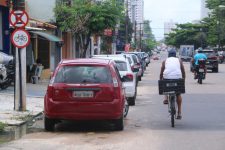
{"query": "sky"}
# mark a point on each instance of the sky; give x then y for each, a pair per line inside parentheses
(160, 11)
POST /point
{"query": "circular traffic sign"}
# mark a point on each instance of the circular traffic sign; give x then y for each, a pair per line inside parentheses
(20, 38)
(18, 18)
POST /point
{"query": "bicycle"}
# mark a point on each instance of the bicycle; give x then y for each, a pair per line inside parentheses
(171, 87)
(20, 38)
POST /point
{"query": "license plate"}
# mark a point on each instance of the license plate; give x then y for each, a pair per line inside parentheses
(171, 84)
(201, 70)
(83, 94)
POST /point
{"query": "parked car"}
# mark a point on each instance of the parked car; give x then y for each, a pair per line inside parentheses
(143, 57)
(147, 58)
(85, 89)
(141, 61)
(135, 64)
(125, 71)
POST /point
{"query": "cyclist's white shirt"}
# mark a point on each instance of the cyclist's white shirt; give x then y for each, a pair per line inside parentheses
(172, 68)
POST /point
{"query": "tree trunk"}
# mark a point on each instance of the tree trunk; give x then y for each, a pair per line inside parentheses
(84, 42)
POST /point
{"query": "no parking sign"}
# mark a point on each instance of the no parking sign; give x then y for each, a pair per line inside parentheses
(18, 18)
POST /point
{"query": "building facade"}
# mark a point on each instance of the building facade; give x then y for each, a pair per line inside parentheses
(168, 26)
(136, 15)
(4, 27)
(136, 11)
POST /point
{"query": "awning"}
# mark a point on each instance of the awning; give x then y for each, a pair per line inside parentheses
(48, 36)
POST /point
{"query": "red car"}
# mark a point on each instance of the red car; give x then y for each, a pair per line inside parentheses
(85, 89)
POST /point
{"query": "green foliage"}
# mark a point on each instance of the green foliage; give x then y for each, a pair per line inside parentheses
(211, 4)
(216, 20)
(2, 126)
(188, 34)
(149, 41)
(85, 18)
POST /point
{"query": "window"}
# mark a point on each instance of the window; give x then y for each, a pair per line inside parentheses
(83, 74)
(135, 59)
(129, 59)
(121, 65)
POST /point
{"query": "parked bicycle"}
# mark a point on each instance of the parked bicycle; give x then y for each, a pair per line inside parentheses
(171, 88)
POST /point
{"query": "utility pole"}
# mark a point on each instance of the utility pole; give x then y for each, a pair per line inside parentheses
(135, 33)
(126, 23)
(140, 38)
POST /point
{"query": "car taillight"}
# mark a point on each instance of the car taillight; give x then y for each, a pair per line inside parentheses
(214, 58)
(115, 82)
(132, 68)
(138, 64)
(130, 77)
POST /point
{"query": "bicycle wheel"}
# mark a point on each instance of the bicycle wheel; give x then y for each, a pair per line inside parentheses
(173, 110)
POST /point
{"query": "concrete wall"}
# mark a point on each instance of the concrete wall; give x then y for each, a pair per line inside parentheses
(42, 10)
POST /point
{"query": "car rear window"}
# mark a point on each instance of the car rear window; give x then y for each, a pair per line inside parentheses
(129, 59)
(121, 65)
(135, 59)
(210, 53)
(83, 74)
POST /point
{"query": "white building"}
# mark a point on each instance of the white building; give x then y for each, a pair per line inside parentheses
(204, 11)
(136, 14)
(168, 26)
(136, 11)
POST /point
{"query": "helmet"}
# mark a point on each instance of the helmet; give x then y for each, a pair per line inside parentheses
(172, 53)
(200, 50)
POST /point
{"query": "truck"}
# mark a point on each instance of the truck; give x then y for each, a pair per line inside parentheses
(186, 52)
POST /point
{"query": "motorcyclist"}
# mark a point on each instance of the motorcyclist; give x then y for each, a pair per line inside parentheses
(199, 55)
(173, 68)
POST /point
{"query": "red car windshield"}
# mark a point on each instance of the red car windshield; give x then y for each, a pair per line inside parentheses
(83, 74)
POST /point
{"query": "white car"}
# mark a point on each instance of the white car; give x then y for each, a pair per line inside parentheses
(135, 64)
(124, 68)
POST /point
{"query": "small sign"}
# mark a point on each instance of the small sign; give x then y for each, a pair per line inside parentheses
(127, 47)
(20, 38)
(108, 32)
(18, 18)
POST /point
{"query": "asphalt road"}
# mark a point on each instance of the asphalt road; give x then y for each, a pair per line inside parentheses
(147, 126)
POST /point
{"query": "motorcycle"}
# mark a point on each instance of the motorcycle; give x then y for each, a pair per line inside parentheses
(7, 75)
(200, 70)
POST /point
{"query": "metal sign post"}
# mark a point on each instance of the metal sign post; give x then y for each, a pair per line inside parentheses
(20, 82)
(20, 39)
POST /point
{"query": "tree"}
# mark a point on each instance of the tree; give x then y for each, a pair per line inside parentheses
(85, 18)
(188, 34)
(217, 21)
(149, 41)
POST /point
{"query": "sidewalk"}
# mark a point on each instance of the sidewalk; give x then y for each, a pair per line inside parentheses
(34, 104)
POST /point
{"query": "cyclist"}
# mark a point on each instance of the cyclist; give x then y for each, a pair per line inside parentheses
(198, 56)
(173, 68)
